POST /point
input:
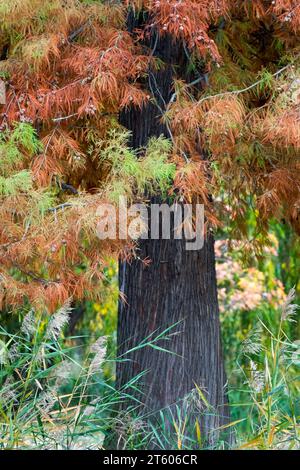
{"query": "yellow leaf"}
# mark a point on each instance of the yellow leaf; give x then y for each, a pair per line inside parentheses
(253, 443)
(198, 432)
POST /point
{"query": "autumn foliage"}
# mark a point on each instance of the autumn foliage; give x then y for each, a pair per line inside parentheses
(70, 67)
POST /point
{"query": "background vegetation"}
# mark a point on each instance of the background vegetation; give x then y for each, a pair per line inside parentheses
(57, 374)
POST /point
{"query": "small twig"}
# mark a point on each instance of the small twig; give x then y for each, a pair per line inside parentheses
(233, 92)
(76, 33)
(32, 275)
(60, 207)
(64, 118)
(248, 88)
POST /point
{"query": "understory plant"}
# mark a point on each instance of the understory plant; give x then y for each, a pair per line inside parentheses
(57, 393)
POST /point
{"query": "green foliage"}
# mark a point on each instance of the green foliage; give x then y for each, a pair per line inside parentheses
(25, 136)
(55, 394)
(263, 392)
(11, 157)
(266, 82)
(15, 145)
(156, 171)
(130, 175)
(19, 182)
(51, 382)
(269, 367)
(100, 318)
(44, 201)
(287, 266)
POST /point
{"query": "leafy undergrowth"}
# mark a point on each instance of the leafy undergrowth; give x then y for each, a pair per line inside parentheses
(55, 394)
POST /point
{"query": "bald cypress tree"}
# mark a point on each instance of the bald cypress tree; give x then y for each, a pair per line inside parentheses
(195, 99)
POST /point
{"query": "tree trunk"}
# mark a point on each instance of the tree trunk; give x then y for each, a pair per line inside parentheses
(178, 287)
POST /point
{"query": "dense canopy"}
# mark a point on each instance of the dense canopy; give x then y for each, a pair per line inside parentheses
(69, 67)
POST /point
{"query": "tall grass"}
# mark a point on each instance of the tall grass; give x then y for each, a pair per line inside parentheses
(58, 395)
(270, 395)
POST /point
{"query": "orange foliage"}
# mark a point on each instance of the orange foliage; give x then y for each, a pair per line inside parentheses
(187, 20)
(71, 74)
